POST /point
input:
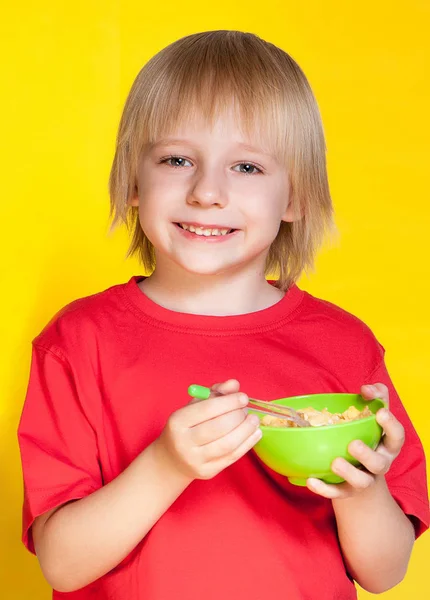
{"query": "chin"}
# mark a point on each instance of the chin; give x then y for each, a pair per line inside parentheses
(208, 270)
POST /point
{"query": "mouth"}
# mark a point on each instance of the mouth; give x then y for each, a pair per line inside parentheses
(206, 230)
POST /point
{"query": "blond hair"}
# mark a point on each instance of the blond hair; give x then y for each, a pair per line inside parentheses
(205, 73)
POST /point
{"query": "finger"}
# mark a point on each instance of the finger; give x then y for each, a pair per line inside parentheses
(229, 444)
(217, 465)
(375, 462)
(231, 386)
(327, 490)
(377, 390)
(394, 432)
(199, 412)
(214, 429)
(357, 479)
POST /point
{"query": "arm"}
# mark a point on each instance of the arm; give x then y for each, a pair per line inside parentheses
(375, 535)
(82, 540)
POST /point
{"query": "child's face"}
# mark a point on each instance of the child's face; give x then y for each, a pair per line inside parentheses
(209, 180)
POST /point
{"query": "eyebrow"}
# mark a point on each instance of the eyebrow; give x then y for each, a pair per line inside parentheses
(170, 142)
(182, 142)
(253, 149)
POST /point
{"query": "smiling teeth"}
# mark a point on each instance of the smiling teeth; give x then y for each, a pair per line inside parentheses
(204, 231)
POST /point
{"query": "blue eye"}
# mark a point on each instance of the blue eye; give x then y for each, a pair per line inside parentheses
(248, 169)
(177, 162)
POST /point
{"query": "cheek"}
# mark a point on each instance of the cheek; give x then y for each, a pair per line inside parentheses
(149, 213)
(264, 213)
(153, 200)
(266, 197)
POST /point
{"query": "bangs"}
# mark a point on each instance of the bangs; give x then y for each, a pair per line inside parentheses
(208, 100)
(198, 76)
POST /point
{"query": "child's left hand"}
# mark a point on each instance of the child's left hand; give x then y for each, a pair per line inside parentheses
(376, 463)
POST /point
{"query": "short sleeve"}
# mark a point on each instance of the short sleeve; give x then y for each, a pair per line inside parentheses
(57, 441)
(406, 479)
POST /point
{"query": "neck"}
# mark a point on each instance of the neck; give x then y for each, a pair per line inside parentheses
(217, 295)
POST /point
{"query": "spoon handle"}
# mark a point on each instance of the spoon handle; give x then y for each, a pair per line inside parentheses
(267, 408)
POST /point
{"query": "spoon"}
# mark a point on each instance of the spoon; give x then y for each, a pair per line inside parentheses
(266, 408)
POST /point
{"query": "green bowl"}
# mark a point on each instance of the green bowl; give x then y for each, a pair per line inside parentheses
(309, 452)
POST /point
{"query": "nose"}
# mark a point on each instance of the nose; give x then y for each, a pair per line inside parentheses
(207, 191)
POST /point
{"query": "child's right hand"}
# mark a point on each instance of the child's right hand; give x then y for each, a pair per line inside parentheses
(204, 437)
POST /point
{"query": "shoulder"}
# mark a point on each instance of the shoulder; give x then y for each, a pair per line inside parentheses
(78, 324)
(339, 332)
(331, 315)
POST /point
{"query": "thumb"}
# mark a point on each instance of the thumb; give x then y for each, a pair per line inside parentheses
(231, 386)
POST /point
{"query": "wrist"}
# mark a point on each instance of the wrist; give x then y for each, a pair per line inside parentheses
(378, 490)
(166, 466)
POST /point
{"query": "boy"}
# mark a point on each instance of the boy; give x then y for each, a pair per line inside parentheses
(132, 492)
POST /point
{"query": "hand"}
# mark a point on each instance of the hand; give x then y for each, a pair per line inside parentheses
(204, 437)
(376, 463)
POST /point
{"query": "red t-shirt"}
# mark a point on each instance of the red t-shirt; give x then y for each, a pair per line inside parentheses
(109, 370)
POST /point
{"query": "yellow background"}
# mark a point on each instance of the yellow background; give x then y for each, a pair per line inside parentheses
(66, 70)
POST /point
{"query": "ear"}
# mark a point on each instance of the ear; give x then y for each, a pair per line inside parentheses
(291, 214)
(134, 200)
